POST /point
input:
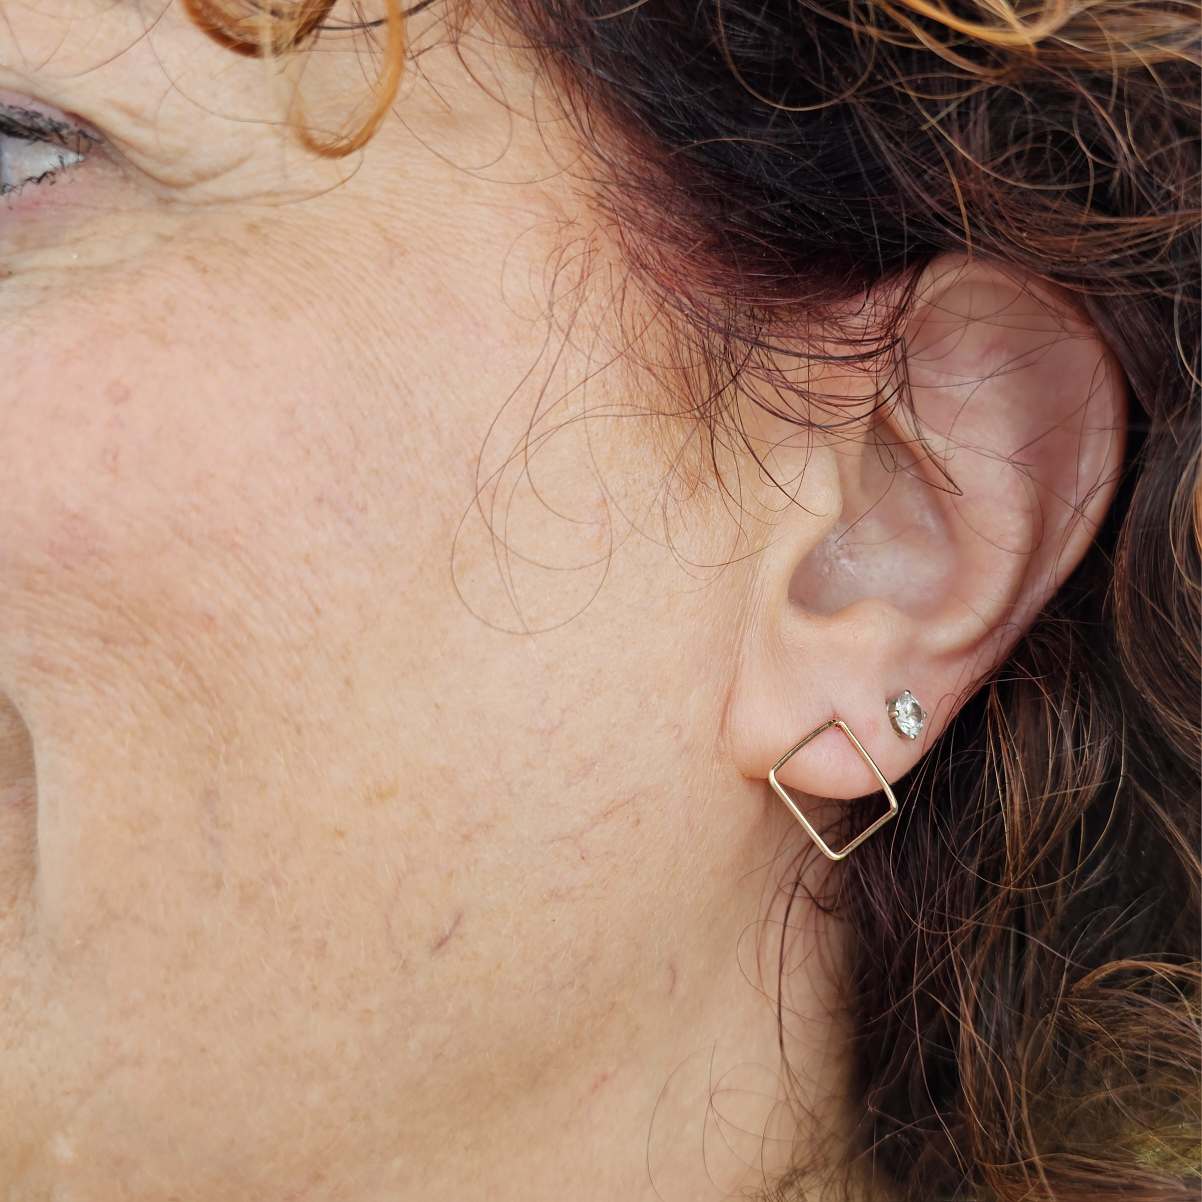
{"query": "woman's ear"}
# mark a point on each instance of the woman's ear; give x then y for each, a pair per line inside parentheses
(926, 536)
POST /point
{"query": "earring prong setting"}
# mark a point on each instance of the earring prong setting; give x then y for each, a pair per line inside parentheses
(907, 715)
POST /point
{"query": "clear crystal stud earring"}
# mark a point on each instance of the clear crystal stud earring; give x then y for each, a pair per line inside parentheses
(907, 715)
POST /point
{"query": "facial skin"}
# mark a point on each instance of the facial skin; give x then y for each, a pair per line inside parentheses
(383, 809)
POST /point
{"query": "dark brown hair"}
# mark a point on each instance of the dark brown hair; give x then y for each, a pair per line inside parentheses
(1026, 985)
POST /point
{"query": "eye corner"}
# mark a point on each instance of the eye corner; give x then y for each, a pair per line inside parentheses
(39, 146)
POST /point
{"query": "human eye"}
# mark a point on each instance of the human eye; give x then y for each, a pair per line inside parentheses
(37, 147)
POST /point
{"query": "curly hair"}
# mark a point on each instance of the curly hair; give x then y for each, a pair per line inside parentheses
(1025, 987)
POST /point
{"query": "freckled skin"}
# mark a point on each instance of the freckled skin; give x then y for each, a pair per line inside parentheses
(338, 884)
(386, 696)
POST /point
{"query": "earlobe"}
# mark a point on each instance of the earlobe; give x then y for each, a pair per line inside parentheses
(933, 554)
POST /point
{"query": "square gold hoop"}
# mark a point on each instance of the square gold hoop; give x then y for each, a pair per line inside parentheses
(783, 793)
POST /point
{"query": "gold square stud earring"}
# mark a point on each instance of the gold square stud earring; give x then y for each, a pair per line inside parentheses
(783, 793)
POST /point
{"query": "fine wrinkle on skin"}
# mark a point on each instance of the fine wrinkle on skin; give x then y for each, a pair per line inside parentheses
(214, 825)
(441, 942)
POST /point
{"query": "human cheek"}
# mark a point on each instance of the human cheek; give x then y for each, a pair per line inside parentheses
(161, 534)
(160, 633)
(152, 442)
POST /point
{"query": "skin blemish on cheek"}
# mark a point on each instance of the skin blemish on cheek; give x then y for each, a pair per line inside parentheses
(600, 1081)
(76, 539)
(484, 826)
(117, 392)
(382, 792)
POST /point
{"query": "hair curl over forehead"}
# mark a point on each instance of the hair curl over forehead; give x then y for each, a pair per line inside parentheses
(254, 29)
(275, 30)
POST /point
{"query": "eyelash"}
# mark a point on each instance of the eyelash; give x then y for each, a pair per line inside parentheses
(29, 128)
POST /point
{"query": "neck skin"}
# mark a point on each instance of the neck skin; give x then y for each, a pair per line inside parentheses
(679, 1094)
(676, 1095)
